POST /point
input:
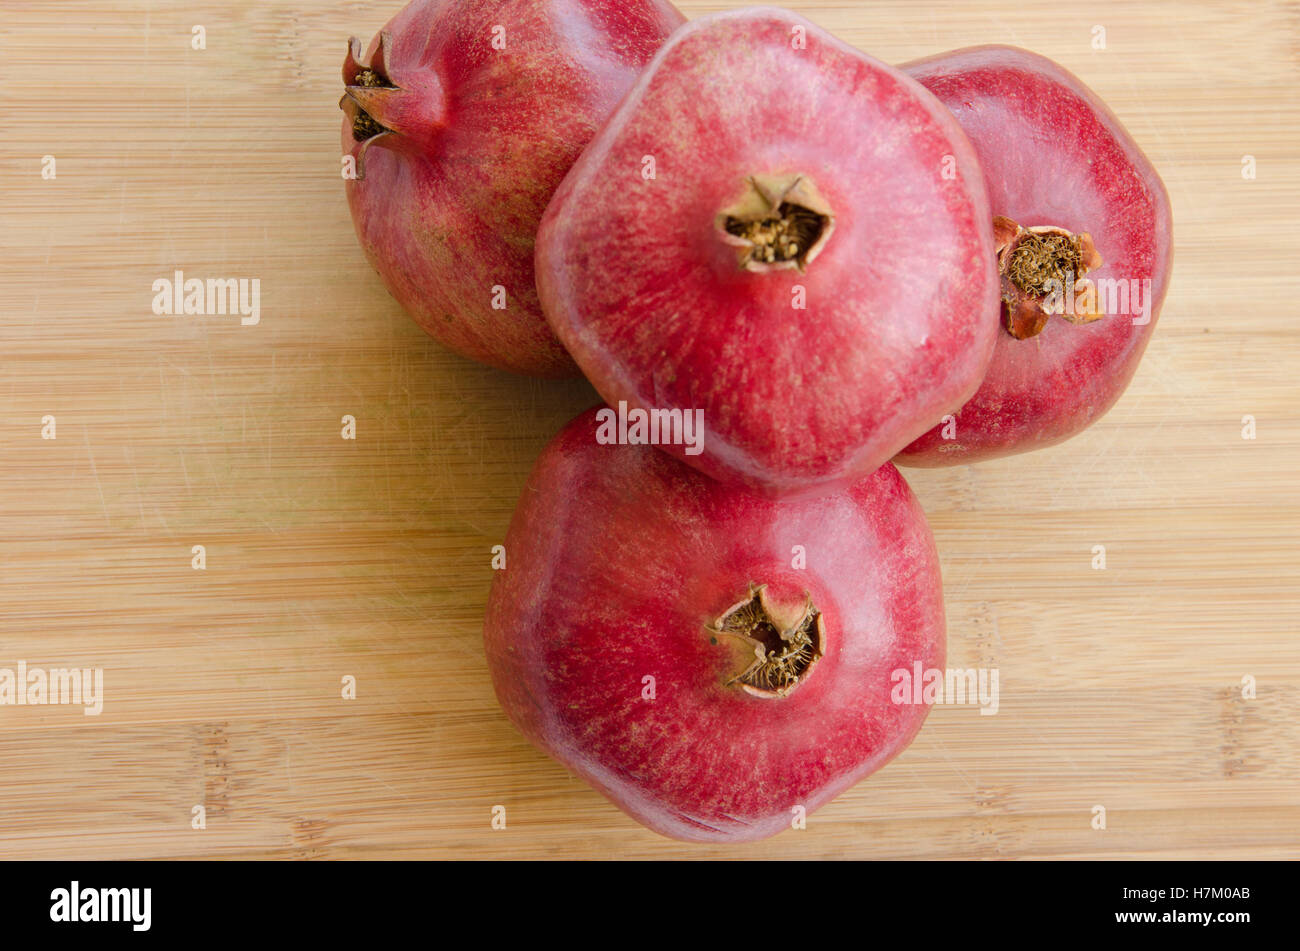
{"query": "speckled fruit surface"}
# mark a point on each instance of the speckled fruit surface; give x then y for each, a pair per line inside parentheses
(616, 634)
(463, 117)
(877, 315)
(1053, 155)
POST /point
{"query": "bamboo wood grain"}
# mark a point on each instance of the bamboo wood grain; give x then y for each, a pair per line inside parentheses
(370, 558)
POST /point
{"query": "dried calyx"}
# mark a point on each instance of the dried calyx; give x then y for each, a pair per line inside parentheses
(1042, 271)
(782, 222)
(787, 640)
(381, 111)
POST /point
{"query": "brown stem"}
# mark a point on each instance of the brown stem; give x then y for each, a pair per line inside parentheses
(781, 222)
(384, 111)
(786, 640)
(1042, 273)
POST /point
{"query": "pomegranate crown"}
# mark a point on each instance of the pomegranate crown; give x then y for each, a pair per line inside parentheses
(383, 110)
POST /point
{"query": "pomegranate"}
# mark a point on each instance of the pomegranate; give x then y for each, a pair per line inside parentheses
(462, 119)
(785, 234)
(1083, 236)
(711, 660)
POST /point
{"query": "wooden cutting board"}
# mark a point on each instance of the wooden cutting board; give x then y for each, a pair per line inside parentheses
(369, 558)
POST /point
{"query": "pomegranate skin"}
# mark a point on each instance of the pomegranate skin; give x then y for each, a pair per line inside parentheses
(448, 206)
(638, 280)
(618, 558)
(1052, 154)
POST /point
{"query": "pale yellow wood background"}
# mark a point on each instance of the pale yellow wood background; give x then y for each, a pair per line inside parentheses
(371, 558)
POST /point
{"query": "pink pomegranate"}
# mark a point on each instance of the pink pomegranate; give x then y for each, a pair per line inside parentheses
(786, 234)
(712, 661)
(1083, 236)
(463, 117)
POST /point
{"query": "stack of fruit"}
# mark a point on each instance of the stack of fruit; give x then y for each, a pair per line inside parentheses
(783, 264)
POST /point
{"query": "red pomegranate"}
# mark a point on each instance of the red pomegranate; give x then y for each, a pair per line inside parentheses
(711, 660)
(1083, 236)
(462, 118)
(785, 234)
